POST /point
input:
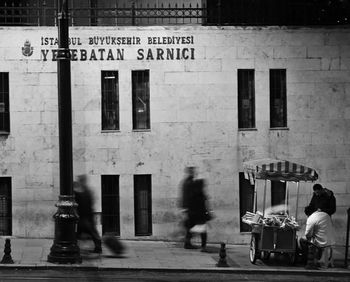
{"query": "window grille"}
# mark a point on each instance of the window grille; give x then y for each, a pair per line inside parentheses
(277, 12)
(246, 98)
(110, 100)
(143, 205)
(179, 12)
(246, 200)
(14, 12)
(110, 204)
(102, 12)
(140, 99)
(5, 206)
(278, 99)
(4, 103)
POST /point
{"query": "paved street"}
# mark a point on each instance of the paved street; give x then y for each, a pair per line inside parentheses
(150, 254)
(157, 261)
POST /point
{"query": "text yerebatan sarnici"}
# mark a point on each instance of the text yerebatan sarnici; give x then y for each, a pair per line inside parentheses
(102, 48)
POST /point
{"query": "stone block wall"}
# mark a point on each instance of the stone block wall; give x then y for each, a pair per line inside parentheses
(193, 119)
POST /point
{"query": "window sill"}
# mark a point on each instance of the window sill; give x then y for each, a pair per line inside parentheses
(4, 132)
(279, 128)
(141, 130)
(110, 131)
(248, 129)
(245, 233)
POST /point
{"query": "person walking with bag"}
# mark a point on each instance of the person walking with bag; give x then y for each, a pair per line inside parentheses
(187, 188)
(198, 213)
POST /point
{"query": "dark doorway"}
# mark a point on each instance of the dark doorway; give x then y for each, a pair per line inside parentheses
(246, 200)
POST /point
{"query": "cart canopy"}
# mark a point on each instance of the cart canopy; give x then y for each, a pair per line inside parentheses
(274, 169)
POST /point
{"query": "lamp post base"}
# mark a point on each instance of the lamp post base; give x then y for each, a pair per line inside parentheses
(64, 254)
(65, 249)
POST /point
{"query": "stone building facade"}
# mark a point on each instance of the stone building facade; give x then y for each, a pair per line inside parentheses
(192, 77)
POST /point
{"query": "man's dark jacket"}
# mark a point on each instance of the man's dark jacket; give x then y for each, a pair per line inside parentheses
(187, 190)
(85, 202)
(325, 202)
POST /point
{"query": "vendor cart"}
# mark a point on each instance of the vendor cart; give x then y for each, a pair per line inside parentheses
(267, 239)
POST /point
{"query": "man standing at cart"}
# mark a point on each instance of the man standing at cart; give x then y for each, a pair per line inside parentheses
(322, 200)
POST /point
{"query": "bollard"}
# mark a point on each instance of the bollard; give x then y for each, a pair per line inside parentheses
(222, 261)
(7, 259)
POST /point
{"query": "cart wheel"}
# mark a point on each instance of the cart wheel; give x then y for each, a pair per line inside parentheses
(253, 250)
(265, 255)
(292, 258)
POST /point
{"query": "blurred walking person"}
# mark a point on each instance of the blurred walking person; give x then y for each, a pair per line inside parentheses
(194, 204)
(186, 191)
(198, 212)
(86, 224)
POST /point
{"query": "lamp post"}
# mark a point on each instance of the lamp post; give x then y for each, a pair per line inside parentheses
(65, 248)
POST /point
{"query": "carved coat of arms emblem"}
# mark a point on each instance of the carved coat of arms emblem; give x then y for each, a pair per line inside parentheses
(27, 50)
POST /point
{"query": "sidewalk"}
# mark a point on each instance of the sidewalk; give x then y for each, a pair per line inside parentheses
(156, 255)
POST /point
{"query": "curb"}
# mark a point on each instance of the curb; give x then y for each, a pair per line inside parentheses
(274, 271)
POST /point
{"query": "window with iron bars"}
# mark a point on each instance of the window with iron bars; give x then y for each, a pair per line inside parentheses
(110, 100)
(4, 103)
(110, 204)
(278, 98)
(5, 206)
(246, 98)
(278, 12)
(167, 12)
(143, 204)
(140, 99)
(103, 12)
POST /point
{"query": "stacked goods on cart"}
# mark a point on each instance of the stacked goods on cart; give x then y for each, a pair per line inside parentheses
(282, 221)
(290, 222)
(252, 218)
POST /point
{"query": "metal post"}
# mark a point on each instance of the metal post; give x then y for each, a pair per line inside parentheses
(72, 16)
(133, 13)
(65, 248)
(204, 13)
(264, 203)
(44, 14)
(347, 241)
(219, 13)
(255, 205)
(286, 198)
(297, 204)
(39, 12)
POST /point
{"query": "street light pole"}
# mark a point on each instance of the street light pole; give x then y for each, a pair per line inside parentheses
(65, 248)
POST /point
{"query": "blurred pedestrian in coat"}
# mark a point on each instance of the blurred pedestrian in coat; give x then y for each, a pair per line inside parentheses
(86, 224)
(198, 213)
(194, 204)
(186, 191)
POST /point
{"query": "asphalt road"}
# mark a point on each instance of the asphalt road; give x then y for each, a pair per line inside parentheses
(154, 276)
